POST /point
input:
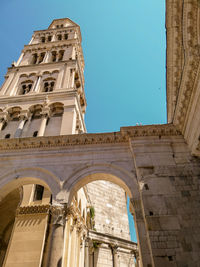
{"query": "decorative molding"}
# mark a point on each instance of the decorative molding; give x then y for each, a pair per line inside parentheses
(36, 209)
(89, 139)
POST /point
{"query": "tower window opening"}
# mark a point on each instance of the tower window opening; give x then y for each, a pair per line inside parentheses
(39, 190)
(66, 36)
(25, 89)
(61, 25)
(35, 134)
(53, 57)
(34, 60)
(60, 55)
(48, 86)
(7, 136)
(49, 38)
(59, 36)
(43, 39)
(41, 58)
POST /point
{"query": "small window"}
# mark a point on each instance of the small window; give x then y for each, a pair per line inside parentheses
(49, 38)
(35, 134)
(66, 36)
(61, 26)
(41, 58)
(59, 36)
(53, 56)
(7, 136)
(34, 60)
(43, 39)
(39, 190)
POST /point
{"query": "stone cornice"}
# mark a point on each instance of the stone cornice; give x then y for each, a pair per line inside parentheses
(38, 96)
(41, 65)
(151, 130)
(36, 209)
(89, 139)
(110, 239)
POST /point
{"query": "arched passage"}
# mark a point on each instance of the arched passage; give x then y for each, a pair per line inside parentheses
(109, 172)
(19, 177)
(25, 200)
(107, 186)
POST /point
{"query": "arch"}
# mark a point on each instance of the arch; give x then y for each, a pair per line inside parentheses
(108, 172)
(46, 72)
(30, 175)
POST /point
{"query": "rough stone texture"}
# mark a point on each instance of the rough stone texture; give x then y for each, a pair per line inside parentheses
(109, 201)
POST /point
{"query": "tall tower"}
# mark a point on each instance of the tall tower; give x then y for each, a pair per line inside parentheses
(43, 95)
(50, 69)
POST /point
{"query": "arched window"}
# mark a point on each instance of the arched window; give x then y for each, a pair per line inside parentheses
(57, 109)
(43, 39)
(53, 56)
(48, 85)
(66, 36)
(34, 58)
(49, 38)
(25, 87)
(41, 57)
(59, 37)
(60, 55)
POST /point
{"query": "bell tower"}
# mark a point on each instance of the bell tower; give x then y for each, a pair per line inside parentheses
(43, 93)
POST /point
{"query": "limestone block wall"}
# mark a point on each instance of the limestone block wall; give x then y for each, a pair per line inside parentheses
(109, 201)
(169, 180)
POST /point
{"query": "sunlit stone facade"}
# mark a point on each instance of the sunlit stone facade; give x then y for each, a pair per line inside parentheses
(43, 96)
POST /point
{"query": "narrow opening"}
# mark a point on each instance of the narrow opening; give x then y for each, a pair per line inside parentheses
(39, 190)
(151, 213)
(43, 39)
(59, 36)
(66, 36)
(170, 258)
(49, 38)
(7, 136)
(35, 134)
(146, 186)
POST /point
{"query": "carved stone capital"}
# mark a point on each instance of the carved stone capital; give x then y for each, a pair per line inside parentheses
(58, 213)
(24, 115)
(3, 116)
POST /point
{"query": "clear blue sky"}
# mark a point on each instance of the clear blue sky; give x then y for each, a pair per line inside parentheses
(124, 50)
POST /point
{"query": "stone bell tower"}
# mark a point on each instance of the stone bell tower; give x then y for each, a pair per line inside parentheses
(50, 69)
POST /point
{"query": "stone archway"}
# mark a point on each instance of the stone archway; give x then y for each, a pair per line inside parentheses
(27, 216)
(108, 172)
(125, 180)
(32, 175)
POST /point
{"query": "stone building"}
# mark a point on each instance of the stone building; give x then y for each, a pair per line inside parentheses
(158, 166)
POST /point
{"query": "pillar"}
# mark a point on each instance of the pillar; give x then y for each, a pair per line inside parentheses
(35, 89)
(86, 253)
(45, 115)
(23, 119)
(143, 242)
(68, 125)
(57, 235)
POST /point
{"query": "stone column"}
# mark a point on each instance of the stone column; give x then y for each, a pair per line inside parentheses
(45, 115)
(23, 118)
(86, 253)
(57, 235)
(47, 55)
(35, 88)
(20, 59)
(114, 255)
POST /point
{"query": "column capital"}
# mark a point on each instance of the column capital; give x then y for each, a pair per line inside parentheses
(58, 212)
(46, 112)
(4, 116)
(24, 114)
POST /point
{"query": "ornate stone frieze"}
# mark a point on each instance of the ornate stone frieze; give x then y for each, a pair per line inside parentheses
(36, 209)
(87, 139)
